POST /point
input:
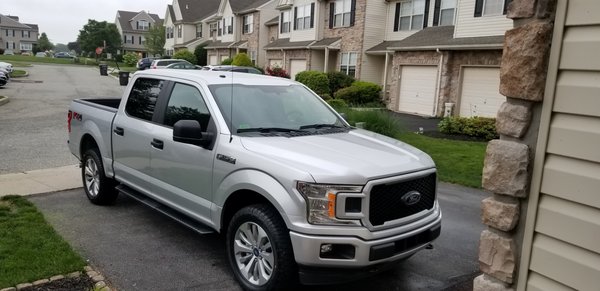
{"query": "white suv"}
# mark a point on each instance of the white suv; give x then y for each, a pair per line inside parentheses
(162, 63)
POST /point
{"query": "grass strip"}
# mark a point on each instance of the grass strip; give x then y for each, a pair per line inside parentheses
(30, 249)
(18, 73)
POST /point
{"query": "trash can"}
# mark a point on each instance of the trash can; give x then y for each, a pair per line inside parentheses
(123, 78)
(103, 69)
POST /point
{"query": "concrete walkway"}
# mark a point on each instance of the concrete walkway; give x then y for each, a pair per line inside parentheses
(41, 181)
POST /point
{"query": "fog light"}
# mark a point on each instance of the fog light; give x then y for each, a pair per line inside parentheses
(325, 248)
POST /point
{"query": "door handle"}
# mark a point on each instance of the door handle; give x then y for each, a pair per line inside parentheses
(119, 131)
(157, 143)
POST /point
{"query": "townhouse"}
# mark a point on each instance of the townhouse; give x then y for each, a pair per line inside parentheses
(16, 36)
(185, 24)
(133, 26)
(238, 27)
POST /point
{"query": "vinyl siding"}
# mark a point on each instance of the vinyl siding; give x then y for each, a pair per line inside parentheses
(307, 34)
(267, 12)
(228, 13)
(374, 33)
(390, 34)
(469, 26)
(561, 245)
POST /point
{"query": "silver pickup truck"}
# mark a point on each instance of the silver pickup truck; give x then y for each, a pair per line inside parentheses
(297, 191)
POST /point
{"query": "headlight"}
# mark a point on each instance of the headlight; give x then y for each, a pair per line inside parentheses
(321, 200)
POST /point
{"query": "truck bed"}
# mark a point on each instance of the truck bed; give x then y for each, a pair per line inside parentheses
(111, 104)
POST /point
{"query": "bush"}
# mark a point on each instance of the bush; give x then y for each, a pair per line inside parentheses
(200, 53)
(480, 127)
(1, 51)
(119, 58)
(242, 59)
(338, 80)
(316, 81)
(360, 92)
(277, 72)
(337, 103)
(226, 62)
(185, 55)
(130, 59)
(379, 121)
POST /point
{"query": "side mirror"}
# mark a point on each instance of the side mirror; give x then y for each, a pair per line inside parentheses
(190, 132)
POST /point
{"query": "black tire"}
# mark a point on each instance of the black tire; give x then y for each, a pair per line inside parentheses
(98, 188)
(284, 272)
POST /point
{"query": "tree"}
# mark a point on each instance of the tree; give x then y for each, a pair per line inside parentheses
(95, 33)
(201, 54)
(44, 43)
(74, 46)
(61, 47)
(155, 40)
(243, 60)
(185, 55)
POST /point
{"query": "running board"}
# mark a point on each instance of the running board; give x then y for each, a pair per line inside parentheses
(185, 220)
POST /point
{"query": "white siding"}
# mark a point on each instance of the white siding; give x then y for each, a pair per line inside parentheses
(176, 10)
(469, 26)
(267, 12)
(307, 34)
(390, 34)
(374, 34)
(169, 42)
(189, 32)
(228, 13)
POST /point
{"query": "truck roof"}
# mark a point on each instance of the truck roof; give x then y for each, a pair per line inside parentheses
(217, 77)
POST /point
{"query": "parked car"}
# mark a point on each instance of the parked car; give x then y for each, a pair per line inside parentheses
(144, 63)
(5, 72)
(40, 54)
(9, 53)
(6, 66)
(183, 66)
(297, 191)
(63, 55)
(162, 63)
(3, 79)
(230, 68)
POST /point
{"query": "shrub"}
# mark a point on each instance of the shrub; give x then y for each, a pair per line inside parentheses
(359, 92)
(338, 80)
(185, 55)
(201, 55)
(119, 58)
(277, 72)
(130, 59)
(480, 127)
(1, 51)
(337, 103)
(379, 121)
(316, 81)
(242, 59)
(227, 61)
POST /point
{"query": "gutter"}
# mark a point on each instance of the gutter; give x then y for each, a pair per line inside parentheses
(450, 47)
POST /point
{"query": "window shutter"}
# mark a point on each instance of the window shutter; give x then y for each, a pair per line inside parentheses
(331, 14)
(281, 23)
(436, 12)
(397, 17)
(137, 25)
(312, 15)
(478, 8)
(352, 12)
(506, 2)
(295, 13)
(426, 14)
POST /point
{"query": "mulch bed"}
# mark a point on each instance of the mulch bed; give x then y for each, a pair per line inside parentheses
(81, 283)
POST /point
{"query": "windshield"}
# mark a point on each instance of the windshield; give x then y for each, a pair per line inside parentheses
(279, 108)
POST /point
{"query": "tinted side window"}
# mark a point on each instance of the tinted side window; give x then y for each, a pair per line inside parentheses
(186, 103)
(142, 99)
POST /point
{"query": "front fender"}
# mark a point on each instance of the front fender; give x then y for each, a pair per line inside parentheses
(288, 202)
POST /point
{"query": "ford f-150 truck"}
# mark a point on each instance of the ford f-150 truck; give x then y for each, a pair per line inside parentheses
(297, 191)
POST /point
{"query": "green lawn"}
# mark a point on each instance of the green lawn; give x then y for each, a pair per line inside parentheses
(30, 249)
(18, 73)
(32, 59)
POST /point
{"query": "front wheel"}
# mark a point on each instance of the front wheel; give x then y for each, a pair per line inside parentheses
(259, 249)
(98, 188)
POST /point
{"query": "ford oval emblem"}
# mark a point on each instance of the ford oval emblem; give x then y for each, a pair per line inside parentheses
(411, 198)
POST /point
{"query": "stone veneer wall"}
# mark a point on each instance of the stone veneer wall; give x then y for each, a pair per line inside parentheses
(289, 55)
(507, 169)
(273, 33)
(252, 38)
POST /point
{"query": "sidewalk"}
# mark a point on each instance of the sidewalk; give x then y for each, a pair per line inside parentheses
(41, 181)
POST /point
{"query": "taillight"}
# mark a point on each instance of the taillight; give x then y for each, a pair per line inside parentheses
(69, 118)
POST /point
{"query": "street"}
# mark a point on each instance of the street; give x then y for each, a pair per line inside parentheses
(138, 249)
(33, 125)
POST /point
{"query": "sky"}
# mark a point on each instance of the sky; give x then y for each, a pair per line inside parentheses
(61, 20)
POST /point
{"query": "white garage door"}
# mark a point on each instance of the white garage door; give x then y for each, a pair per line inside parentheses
(480, 92)
(417, 89)
(212, 60)
(297, 66)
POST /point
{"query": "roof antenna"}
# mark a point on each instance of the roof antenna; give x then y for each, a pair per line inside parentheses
(231, 111)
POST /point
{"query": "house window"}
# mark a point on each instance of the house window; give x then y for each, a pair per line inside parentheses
(248, 24)
(253, 57)
(341, 17)
(493, 7)
(220, 28)
(409, 15)
(179, 31)
(170, 30)
(143, 25)
(303, 17)
(348, 64)
(285, 22)
(199, 30)
(142, 40)
(26, 47)
(13, 33)
(213, 29)
(447, 12)
(227, 25)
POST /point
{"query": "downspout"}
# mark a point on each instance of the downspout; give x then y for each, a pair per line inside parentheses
(326, 66)
(439, 82)
(284, 61)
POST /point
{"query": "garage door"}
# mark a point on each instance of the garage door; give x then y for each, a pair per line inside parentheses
(480, 92)
(224, 57)
(417, 89)
(212, 60)
(297, 66)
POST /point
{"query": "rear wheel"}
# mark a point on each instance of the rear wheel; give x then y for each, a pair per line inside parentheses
(259, 249)
(98, 188)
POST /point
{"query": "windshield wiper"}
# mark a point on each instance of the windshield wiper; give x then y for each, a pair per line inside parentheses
(321, 125)
(268, 129)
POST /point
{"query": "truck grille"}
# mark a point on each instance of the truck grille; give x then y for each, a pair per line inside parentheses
(386, 199)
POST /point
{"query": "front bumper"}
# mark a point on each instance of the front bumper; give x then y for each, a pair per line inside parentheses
(307, 248)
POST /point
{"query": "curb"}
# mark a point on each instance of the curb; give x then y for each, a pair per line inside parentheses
(98, 281)
(4, 100)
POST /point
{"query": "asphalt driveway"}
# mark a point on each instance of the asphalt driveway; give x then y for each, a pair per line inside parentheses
(138, 249)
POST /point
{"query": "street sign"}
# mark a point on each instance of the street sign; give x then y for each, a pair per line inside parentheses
(98, 50)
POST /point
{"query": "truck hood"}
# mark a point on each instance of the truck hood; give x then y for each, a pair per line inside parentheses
(354, 157)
